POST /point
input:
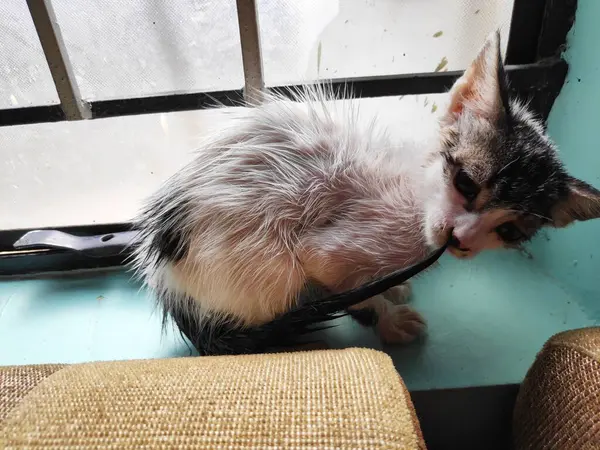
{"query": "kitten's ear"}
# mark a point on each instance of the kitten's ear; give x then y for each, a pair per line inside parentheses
(483, 88)
(582, 203)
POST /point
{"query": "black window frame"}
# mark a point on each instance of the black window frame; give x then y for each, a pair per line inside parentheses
(535, 68)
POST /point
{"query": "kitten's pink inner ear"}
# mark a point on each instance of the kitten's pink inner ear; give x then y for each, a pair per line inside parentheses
(582, 203)
(459, 94)
(479, 88)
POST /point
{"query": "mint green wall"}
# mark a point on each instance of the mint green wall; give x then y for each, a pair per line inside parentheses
(572, 256)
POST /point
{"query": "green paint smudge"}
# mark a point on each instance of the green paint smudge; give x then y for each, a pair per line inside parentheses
(443, 63)
(438, 34)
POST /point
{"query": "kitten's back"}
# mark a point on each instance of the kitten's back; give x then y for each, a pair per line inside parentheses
(227, 229)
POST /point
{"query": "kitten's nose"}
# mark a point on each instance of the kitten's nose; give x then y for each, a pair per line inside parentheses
(455, 242)
(466, 226)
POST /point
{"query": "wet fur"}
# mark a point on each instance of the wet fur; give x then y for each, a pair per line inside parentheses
(308, 192)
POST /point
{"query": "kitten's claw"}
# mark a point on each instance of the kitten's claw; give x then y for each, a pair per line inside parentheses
(400, 325)
(399, 295)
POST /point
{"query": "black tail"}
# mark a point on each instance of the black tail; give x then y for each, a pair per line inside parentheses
(286, 330)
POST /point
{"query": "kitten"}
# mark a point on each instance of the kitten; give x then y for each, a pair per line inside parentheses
(297, 194)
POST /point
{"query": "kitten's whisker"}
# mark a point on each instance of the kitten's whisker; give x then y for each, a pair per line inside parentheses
(539, 216)
(508, 165)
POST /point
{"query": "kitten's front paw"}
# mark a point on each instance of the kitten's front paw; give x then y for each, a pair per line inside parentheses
(399, 295)
(400, 325)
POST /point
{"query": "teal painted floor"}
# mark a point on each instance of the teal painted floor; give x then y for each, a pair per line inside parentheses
(487, 319)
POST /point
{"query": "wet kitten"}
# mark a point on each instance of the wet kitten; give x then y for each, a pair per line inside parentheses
(292, 195)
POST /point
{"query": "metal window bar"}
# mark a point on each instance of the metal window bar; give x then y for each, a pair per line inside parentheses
(525, 26)
(247, 14)
(48, 31)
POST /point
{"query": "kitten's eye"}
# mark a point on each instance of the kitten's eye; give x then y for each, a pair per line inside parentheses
(465, 185)
(509, 232)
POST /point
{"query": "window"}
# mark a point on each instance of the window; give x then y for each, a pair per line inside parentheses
(308, 40)
(104, 100)
(25, 78)
(120, 49)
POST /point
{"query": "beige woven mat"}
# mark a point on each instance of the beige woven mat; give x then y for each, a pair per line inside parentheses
(558, 406)
(349, 399)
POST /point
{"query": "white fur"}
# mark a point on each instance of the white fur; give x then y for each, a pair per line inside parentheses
(260, 189)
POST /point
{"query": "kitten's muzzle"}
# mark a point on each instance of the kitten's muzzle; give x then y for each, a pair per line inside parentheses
(454, 242)
(455, 247)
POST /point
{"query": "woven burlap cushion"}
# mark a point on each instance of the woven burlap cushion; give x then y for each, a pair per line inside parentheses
(318, 400)
(558, 406)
